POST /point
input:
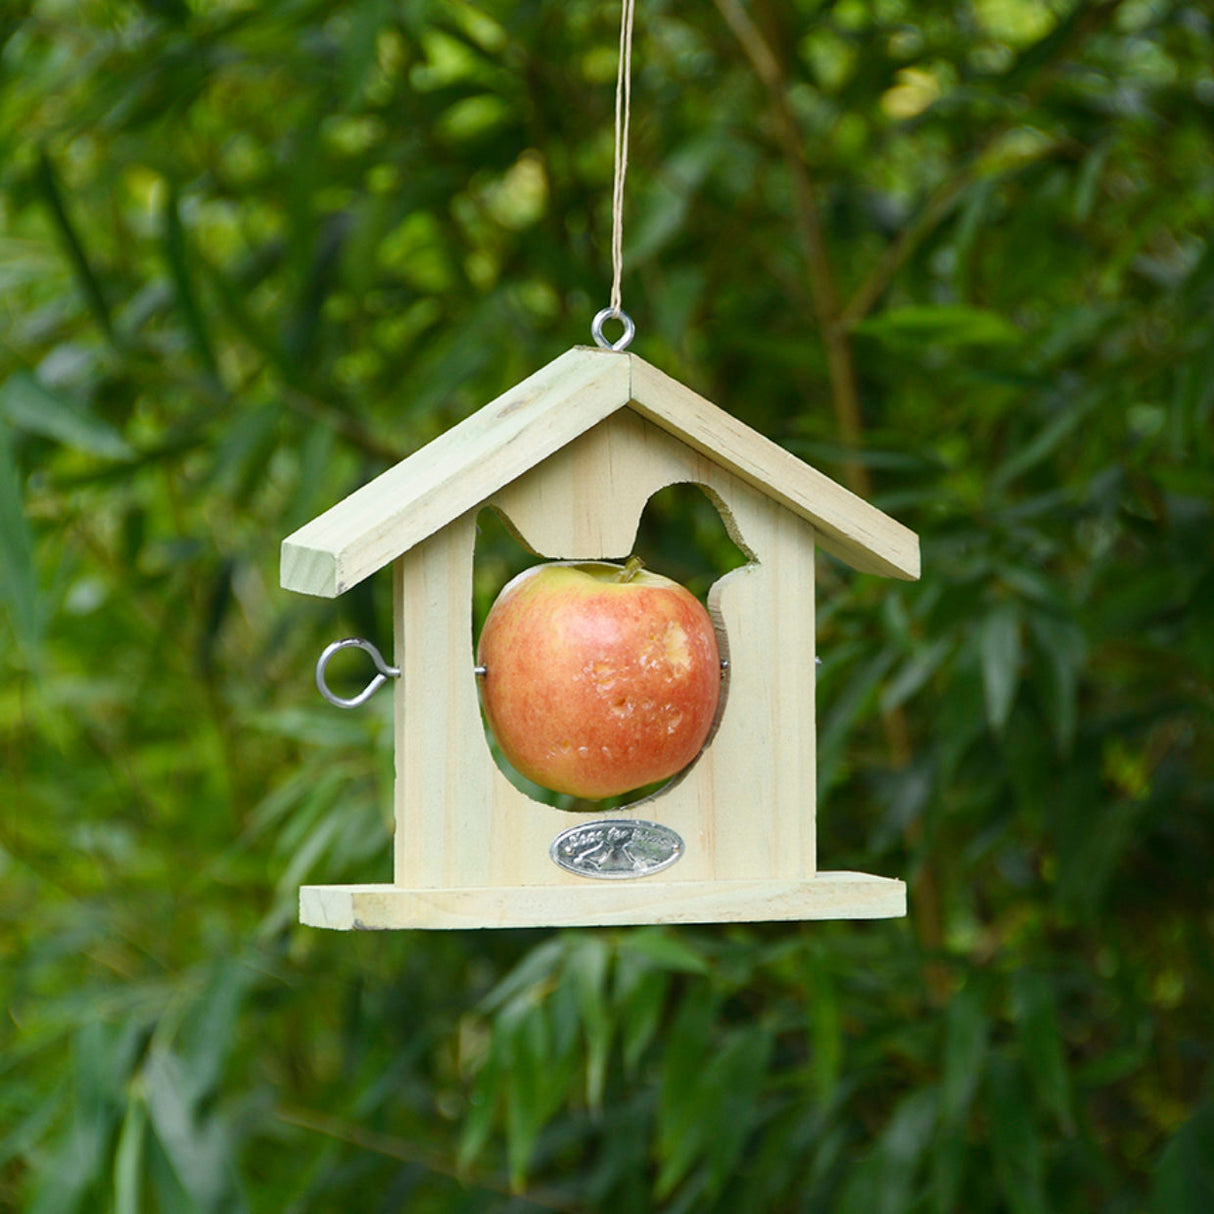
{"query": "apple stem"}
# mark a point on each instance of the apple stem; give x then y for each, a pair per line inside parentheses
(632, 566)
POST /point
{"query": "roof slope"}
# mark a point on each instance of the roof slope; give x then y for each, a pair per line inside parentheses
(524, 426)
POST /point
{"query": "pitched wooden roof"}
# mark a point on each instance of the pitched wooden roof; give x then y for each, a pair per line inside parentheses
(524, 426)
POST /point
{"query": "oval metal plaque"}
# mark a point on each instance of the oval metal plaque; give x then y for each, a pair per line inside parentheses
(616, 848)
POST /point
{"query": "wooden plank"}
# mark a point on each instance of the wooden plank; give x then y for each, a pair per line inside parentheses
(848, 527)
(585, 502)
(758, 775)
(745, 809)
(535, 419)
(455, 472)
(829, 895)
(444, 771)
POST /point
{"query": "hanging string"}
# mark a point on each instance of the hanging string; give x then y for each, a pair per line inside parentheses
(623, 114)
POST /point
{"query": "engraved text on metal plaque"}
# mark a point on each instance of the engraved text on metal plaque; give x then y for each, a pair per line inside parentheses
(616, 848)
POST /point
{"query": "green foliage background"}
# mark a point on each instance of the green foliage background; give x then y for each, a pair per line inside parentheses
(956, 253)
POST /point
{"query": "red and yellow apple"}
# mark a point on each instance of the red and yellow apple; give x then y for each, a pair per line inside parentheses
(598, 678)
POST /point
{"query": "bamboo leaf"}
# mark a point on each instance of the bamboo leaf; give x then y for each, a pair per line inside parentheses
(846, 708)
(34, 408)
(308, 854)
(534, 1084)
(884, 1183)
(683, 1123)
(1036, 1019)
(665, 949)
(19, 585)
(210, 1030)
(536, 968)
(588, 967)
(48, 183)
(965, 1044)
(1061, 652)
(736, 1079)
(197, 1150)
(1015, 1140)
(1069, 416)
(920, 667)
(640, 1012)
(825, 1028)
(1184, 1177)
(178, 256)
(999, 650)
(945, 324)
(129, 1157)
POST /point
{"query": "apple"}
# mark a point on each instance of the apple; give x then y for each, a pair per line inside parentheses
(598, 678)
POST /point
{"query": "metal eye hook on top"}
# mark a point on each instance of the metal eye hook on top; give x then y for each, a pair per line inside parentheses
(624, 340)
(386, 672)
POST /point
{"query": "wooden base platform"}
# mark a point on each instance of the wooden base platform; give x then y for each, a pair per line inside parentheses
(830, 895)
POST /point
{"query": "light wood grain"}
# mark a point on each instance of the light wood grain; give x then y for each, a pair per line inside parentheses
(444, 773)
(529, 424)
(829, 895)
(745, 808)
(569, 459)
(454, 473)
(848, 527)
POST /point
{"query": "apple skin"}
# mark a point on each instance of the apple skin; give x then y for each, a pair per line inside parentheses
(595, 686)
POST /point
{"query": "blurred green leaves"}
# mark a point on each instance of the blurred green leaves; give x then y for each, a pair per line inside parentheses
(999, 653)
(20, 585)
(943, 325)
(250, 255)
(1185, 1178)
(29, 406)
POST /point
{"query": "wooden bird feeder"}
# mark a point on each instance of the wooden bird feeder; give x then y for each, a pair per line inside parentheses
(569, 457)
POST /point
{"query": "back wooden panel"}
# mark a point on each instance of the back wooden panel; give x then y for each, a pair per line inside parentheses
(746, 807)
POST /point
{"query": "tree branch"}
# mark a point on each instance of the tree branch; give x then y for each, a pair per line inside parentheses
(928, 919)
(845, 396)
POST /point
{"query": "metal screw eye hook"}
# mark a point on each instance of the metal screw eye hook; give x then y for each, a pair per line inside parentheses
(386, 672)
(624, 340)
